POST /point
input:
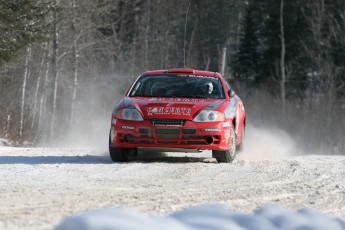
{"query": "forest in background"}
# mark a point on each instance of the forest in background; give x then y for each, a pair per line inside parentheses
(65, 63)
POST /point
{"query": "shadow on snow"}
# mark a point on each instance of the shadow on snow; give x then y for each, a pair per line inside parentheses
(93, 159)
(88, 159)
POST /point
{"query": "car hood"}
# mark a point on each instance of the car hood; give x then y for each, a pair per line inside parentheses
(172, 108)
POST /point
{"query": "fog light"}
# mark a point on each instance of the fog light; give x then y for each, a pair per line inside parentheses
(127, 138)
(209, 140)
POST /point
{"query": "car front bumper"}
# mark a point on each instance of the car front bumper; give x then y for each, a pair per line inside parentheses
(163, 133)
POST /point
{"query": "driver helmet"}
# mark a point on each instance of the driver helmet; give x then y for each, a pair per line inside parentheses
(207, 87)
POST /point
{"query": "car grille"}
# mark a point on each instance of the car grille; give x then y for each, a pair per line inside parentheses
(168, 122)
(168, 135)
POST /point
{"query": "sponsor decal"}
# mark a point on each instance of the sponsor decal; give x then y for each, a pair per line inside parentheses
(190, 75)
(127, 127)
(226, 124)
(168, 110)
(113, 121)
(227, 136)
(211, 130)
(181, 100)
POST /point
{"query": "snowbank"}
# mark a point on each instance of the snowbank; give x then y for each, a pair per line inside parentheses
(214, 217)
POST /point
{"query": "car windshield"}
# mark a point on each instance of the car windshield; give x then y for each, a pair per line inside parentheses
(177, 86)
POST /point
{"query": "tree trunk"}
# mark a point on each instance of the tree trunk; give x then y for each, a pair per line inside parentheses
(8, 121)
(50, 104)
(38, 84)
(26, 74)
(222, 61)
(75, 62)
(147, 34)
(185, 37)
(282, 57)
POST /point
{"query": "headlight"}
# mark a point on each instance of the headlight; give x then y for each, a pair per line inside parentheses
(208, 116)
(129, 114)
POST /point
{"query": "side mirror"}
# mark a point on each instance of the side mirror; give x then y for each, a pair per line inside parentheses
(231, 93)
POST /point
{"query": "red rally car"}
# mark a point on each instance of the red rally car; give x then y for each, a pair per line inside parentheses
(178, 110)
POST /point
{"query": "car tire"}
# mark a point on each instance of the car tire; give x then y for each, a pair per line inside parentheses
(227, 156)
(118, 154)
(240, 147)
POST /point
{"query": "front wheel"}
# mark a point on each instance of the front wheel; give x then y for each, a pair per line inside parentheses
(121, 154)
(227, 156)
(118, 154)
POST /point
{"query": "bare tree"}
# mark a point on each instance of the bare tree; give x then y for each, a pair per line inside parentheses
(50, 90)
(75, 60)
(36, 105)
(26, 75)
(282, 58)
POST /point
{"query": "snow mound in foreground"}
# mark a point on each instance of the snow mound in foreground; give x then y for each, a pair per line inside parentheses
(215, 217)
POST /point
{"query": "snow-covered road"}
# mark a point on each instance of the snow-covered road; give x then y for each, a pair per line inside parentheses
(40, 186)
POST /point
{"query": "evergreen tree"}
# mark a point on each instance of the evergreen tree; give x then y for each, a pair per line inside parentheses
(259, 52)
(337, 29)
(21, 23)
(214, 20)
(248, 60)
(296, 33)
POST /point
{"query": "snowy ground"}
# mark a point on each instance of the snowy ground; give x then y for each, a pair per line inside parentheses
(48, 188)
(39, 187)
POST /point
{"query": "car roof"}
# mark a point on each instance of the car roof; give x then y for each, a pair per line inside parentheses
(184, 71)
